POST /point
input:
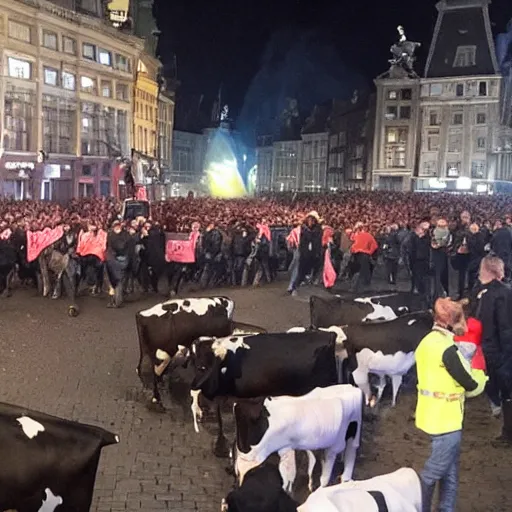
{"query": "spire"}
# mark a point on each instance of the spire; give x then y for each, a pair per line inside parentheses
(462, 44)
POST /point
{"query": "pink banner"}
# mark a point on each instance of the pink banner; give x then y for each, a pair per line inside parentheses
(141, 193)
(90, 244)
(329, 272)
(38, 241)
(181, 251)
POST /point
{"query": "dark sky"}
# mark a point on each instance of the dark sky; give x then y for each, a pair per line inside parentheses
(222, 41)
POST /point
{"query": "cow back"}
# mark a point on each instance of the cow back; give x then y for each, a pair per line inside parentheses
(283, 364)
(336, 311)
(401, 335)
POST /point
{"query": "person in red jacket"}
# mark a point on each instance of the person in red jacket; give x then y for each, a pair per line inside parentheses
(363, 248)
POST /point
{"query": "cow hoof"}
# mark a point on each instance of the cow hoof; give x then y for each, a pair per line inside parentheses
(221, 449)
(73, 311)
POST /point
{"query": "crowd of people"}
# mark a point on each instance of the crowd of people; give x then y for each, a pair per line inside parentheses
(430, 235)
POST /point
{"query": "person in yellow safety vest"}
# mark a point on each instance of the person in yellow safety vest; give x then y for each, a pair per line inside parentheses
(445, 378)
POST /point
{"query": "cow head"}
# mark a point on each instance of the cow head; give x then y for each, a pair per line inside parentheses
(261, 491)
(207, 367)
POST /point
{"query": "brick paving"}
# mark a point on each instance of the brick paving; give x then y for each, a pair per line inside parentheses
(84, 369)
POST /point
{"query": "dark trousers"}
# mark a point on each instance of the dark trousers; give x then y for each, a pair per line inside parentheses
(238, 268)
(462, 267)
(496, 389)
(362, 263)
(391, 270)
(421, 279)
(441, 276)
(92, 270)
(473, 268)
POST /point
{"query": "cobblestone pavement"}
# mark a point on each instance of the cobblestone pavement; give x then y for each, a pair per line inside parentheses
(84, 369)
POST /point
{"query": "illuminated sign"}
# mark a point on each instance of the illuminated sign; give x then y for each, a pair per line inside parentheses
(16, 166)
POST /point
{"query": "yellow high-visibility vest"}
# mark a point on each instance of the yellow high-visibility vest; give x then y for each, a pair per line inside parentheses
(440, 407)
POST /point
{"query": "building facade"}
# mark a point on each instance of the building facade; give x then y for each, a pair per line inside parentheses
(66, 87)
(264, 160)
(442, 131)
(286, 165)
(165, 130)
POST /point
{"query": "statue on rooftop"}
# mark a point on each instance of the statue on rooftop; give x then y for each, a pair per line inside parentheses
(403, 52)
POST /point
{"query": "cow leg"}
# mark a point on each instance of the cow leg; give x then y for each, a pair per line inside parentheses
(69, 280)
(311, 467)
(360, 376)
(221, 444)
(287, 468)
(349, 460)
(8, 283)
(43, 266)
(380, 387)
(327, 465)
(196, 410)
(396, 382)
(57, 290)
(157, 398)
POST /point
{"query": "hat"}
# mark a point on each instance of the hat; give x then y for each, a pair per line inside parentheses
(314, 214)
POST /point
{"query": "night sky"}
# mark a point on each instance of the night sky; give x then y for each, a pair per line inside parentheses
(223, 41)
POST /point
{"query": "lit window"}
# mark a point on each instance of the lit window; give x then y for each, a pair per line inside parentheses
(478, 169)
(433, 140)
(68, 81)
(481, 118)
(19, 31)
(87, 84)
(465, 57)
(50, 40)
(19, 68)
(453, 169)
(392, 95)
(50, 76)
(69, 45)
(89, 51)
(106, 89)
(104, 57)
(391, 112)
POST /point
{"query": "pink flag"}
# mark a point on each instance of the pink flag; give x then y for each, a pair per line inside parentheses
(329, 272)
(38, 241)
(181, 251)
(90, 244)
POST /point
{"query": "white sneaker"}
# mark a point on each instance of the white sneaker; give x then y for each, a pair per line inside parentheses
(495, 410)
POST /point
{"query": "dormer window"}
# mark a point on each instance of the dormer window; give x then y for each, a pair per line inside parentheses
(465, 57)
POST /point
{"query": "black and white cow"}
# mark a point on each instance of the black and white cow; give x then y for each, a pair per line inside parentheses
(327, 419)
(262, 491)
(337, 310)
(166, 332)
(399, 491)
(261, 365)
(47, 462)
(385, 349)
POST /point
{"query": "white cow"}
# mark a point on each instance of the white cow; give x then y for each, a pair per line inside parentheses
(319, 420)
(400, 490)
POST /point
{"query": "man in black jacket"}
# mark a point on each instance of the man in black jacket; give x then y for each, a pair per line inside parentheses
(391, 252)
(119, 246)
(460, 259)
(211, 246)
(494, 311)
(501, 245)
(420, 261)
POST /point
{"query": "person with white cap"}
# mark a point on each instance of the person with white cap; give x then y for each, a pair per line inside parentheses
(310, 250)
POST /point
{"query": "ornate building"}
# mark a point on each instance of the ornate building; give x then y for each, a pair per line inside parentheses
(66, 87)
(440, 132)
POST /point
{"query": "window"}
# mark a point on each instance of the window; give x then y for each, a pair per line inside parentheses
(458, 118)
(436, 89)
(90, 131)
(19, 31)
(429, 168)
(453, 169)
(481, 118)
(482, 89)
(86, 170)
(122, 92)
(104, 57)
(51, 76)
(455, 142)
(405, 112)
(392, 95)
(50, 40)
(459, 90)
(122, 63)
(395, 148)
(19, 108)
(105, 169)
(406, 94)
(465, 57)
(104, 188)
(85, 190)
(341, 160)
(481, 143)
(478, 169)
(89, 51)
(68, 81)
(433, 140)
(87, 85)
(19, 68)
(68, 45)
(391, 112)
(434, 118)
(59, 124)
(106, 89)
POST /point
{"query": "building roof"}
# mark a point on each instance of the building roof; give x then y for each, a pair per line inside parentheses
(317, 121)
(463, 26)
